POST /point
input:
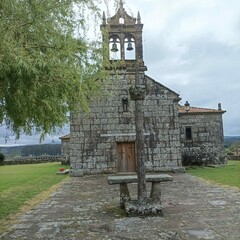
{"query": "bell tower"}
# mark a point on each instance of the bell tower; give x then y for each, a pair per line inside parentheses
(122, 36)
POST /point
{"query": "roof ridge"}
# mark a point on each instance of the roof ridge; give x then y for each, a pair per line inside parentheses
(199, 110)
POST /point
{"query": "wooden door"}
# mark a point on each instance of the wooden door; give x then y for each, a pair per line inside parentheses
(126, 157)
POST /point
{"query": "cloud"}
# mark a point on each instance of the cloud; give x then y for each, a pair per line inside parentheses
(205, 72)
(193, 47)
(8, 138)
(186, 18)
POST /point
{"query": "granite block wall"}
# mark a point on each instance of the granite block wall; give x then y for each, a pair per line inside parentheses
(65, 150)
(206, 146)
(94, 135)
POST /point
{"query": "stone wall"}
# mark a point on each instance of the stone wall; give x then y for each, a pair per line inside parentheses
(94, 135)
(32, 160)
(65, 149)
(162, 123)
(206, 145)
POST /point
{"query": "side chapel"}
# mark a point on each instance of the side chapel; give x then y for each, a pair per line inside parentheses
(103, 140)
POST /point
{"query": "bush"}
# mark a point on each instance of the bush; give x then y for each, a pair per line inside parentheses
(2, 157)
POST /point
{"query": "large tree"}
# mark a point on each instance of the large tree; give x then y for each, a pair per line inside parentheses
(47, 65)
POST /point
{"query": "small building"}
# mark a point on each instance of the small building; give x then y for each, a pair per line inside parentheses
(202, 138)
(103, 140)
(65, 148)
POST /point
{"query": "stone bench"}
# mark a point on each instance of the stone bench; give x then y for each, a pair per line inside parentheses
(124, 180)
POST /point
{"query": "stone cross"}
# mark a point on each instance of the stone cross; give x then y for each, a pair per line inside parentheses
(137, 94)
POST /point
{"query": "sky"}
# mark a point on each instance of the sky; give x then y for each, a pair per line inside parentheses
(190, 46)
(193, 47)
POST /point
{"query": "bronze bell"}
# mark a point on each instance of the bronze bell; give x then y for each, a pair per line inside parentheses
(114, 47)
(129, 47)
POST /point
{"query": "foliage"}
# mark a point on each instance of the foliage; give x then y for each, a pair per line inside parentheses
(41, 149)
(20, 183)
(48, 67)
(228, 140)
(27, 150)
(2, 157)
(227, 175)
(233, 149)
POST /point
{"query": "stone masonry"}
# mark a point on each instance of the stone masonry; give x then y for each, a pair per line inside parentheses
(65, 148)
(206, 145)
(94, 135)
(103, 140)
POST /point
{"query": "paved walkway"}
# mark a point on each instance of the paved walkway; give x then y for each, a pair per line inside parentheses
(87, 208)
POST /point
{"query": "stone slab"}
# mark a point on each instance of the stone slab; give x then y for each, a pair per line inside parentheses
(76, 173)
(117, 179)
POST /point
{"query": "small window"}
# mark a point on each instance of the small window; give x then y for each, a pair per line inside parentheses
(121, 20)
(125, 104)
(188, 132)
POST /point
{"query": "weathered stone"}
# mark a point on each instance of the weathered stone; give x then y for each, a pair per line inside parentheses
(117, 179)
(133, 209)
(76, 172)
(206, 146)
(88, 208)
(95, 135)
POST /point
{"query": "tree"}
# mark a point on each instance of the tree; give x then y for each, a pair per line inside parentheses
(233, 149)
(47, 64)
(2, 157)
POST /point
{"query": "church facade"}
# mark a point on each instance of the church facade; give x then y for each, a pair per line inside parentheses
(103, 140)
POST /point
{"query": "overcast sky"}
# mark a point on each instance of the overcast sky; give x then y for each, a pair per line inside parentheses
(192, 47)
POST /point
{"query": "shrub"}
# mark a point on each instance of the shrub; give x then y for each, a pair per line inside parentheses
(2, 157)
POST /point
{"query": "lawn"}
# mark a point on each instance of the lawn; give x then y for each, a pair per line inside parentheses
(21, 183)
(226, 175)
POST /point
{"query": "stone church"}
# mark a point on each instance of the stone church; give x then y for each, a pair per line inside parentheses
(103, 140)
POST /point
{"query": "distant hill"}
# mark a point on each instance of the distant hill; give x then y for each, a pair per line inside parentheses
(228, 140)
(31, 150)
(55, 149)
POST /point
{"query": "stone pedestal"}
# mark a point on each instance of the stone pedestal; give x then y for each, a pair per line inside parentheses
(133, 209)
(76, 173)
(124, 194)
(156, 192)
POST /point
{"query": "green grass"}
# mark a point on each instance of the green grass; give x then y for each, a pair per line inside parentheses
(226, 175)
(21, 183)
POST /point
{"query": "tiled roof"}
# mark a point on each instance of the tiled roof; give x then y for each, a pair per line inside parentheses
(65, 137)
(199, 110)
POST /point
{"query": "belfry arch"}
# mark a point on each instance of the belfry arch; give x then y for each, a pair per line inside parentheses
(122, 50)
(122, 34)
(129, 47)
(114, 46)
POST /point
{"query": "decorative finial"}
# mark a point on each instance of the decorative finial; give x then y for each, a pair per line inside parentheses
(187, 106)
(121, 4)
(219, 106)
(138, 18)
(104, 17)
